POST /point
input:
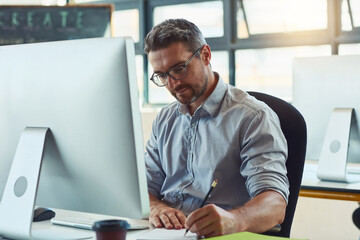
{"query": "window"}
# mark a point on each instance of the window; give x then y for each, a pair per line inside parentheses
(349, 49)
(270, 70)
(208, 16)
(253, 42)
(355, 9)
(350, 17)
(242, 27)
(220, 64)
(345, 17)
(272, 16)
(126, 23)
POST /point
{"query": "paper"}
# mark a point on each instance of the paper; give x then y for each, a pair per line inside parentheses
(163, 234)
(249, 236)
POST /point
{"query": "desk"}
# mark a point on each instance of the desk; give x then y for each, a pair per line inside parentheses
(311, 186)
(62, 231)
(130, 235)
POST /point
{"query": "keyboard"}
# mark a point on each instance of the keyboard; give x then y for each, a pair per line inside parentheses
(87, 222)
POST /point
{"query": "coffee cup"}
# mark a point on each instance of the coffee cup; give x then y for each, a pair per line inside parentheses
(111, 229)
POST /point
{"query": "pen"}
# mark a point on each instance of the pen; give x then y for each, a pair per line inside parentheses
(213, 185)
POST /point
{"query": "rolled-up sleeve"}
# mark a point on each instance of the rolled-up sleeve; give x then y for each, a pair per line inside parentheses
(264, 154)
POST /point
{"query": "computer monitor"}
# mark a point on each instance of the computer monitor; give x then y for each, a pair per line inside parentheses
(320, 85)
(86, 92)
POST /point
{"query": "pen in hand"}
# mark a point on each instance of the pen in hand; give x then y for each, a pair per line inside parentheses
(213, 185)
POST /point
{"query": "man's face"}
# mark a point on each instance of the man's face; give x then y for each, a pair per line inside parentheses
(192, 87)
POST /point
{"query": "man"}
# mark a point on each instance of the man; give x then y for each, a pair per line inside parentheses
(213, 131)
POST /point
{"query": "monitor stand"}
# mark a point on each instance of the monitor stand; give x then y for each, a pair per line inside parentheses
(334, 155)
(17, 204)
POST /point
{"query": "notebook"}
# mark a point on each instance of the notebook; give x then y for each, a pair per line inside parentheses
(167, 234)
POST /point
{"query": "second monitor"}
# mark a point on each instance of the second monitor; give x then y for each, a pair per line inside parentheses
(326, 92)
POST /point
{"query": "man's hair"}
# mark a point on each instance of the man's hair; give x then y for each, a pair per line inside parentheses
(171, 31)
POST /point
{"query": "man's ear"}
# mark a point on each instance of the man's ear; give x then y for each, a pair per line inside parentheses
(206, 54)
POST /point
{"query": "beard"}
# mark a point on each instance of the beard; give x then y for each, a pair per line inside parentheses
(195, 91)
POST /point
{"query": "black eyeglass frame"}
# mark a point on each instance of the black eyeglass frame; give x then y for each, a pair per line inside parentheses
(171, 69)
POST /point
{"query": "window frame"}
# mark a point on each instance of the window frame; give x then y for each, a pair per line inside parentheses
(332, 35)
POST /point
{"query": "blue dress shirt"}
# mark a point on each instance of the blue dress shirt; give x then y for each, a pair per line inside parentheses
(232, 137)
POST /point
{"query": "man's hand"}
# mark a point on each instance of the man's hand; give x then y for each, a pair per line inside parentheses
(257, 215)
(161, 215)
(211, 221)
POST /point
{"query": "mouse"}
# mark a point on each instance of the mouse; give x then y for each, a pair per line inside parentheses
(42, 214)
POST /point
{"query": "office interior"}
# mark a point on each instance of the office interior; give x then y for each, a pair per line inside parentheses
(254, 43)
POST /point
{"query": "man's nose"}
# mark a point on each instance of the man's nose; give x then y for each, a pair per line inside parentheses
(172, 83)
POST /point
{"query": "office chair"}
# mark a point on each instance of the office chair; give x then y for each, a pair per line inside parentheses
(356, 217)
(294, 128)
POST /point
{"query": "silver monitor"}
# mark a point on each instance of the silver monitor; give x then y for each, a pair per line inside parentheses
(321, 86)
(86, 92)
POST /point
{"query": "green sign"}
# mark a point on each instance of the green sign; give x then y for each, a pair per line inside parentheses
(27, 24)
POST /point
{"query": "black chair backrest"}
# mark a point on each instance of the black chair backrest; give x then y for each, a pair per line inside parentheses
(294, 128)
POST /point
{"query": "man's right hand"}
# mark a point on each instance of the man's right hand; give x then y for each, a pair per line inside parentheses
(161, 215)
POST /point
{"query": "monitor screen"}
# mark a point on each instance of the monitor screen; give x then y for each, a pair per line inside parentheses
(321, 84)
(86, 92)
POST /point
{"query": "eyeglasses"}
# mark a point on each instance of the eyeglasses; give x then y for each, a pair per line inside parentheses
(176, 73)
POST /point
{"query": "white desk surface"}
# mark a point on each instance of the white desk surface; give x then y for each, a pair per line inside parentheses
(49, 227)
(311, 186)
(130, 235)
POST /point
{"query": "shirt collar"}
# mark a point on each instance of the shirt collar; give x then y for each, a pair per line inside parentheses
(212, 103)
